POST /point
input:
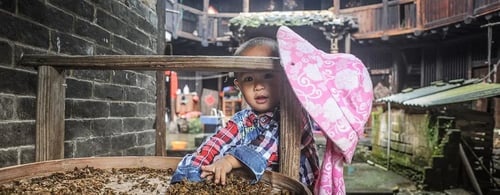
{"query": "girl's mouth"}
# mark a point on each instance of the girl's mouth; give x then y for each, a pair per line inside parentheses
(261, 99)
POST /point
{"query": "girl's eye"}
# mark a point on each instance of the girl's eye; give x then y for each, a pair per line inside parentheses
(269, 76)
(248, 79)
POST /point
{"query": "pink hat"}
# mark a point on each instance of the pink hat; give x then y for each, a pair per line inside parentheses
(337, 92)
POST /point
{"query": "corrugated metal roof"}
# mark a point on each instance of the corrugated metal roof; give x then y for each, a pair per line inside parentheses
(441, 94)
(457, 95)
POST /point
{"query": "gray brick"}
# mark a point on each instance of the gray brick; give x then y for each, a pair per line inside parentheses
(123, 142)
(69, 146)
(47, 15)
(147, 80)
(77, 129)
(146, 109)
(105, 51)
(6, 50)
(135, 94)
(18, 82)
(111, 23)
(9, 158)
(64, 43)
(17, 134)
(6, 107)
(150, 150)
(109, 92)
(146, 138)
(78, 89)
(133, 124)
(81, 8)
(89, 109)
(8, 5)
(121, 11)
(92, 75)
(91, 31)
(107, 127)
(123, 109)
(146, 26)
(138, 37)
(26, 108)
(137, 151)
(124, 77)
(92, 147)
(20, 51)
(104, 4)
(21, 30)
(27, 155)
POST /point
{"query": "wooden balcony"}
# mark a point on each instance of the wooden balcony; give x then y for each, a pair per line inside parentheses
(398, 17)
(191, 23)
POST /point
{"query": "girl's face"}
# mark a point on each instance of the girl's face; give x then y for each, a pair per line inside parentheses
(261, 90)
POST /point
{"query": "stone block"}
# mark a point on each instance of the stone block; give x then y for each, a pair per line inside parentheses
(123, 109)
(8, 5)
(27, 155)
(133, 124)
(89, 109)
(6, 50)
(91, 31)
(67, 44)
(77, 129)
(146, 137)
(92, 75)
(69, 147)
(146, 109)
(110, 23)
(78, 89)
(6, 107)
(139, 37)
(124, 77)
(92, 147)
(107, 127)
(17, 134)
(10, 82)
(135, 94)
(109, 92)
(16, 29)
(136, 151)
(9, 157)
(81, 8)
(26, 108)
(122, 142)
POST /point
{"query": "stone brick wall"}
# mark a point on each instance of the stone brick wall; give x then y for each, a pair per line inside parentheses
(107, 112)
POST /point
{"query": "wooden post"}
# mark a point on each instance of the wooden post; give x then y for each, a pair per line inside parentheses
(161, 127)
(290, 132)
(246, 6)
(347, 45)
(50, 114)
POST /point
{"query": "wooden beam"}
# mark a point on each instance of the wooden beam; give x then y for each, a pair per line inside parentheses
(290, 132)
(50, 114)
(155, 62)
(161, 127)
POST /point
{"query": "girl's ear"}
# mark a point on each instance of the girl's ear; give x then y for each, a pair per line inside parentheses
(237, 84)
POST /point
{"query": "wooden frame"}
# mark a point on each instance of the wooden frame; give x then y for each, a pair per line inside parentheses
(51, 95)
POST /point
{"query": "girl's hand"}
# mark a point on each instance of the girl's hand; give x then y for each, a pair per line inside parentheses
(219, 169)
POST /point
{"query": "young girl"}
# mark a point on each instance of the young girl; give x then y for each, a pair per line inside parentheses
(250, 139)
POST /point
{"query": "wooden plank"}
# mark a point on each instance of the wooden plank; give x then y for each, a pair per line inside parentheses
(161, 127)
(155, 62)
(50, 114)
(290, 132)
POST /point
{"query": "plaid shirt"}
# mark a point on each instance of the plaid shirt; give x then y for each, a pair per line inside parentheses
(255, 135)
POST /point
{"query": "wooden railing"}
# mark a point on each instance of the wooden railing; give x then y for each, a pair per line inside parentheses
(200, 26)
(412, 16)
(51, 96)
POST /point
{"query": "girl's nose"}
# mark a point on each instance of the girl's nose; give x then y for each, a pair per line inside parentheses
(259, 86)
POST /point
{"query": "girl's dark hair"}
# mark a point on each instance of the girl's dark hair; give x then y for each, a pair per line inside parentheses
(259, 41)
